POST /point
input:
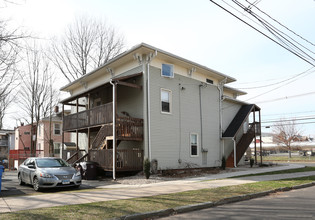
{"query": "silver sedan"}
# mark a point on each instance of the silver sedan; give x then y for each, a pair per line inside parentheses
(48, 172)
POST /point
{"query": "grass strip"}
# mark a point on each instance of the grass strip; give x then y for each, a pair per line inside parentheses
(112, 209)
(286, 158)
(297, 170)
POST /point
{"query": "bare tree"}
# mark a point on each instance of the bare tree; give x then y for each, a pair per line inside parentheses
(285, 132)
(36, 95)
(9, 50)
(87, 44)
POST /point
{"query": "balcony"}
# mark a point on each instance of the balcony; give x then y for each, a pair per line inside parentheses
(127, 128)
(97, 116)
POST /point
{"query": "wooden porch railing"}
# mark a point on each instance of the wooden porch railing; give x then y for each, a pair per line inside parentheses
(129, 128)
(99, 115)
(127, 159)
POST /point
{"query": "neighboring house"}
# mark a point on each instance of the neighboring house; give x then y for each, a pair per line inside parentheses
(149, 103)
(23, 140)
(6, 143)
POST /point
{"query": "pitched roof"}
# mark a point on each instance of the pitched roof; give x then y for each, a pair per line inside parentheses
(238, 120)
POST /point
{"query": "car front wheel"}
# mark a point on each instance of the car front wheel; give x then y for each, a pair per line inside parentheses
(36, 184)
(20, 180)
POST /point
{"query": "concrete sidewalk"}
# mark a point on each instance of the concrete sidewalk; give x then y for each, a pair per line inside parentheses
(119, 191)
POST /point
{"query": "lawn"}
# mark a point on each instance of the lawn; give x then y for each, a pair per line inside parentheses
(297, 170)
(112, 209)
(286, 158)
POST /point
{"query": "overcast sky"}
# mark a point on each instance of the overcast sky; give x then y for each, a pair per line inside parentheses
(202, 32)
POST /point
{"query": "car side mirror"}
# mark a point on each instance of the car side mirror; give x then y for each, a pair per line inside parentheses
(31, 166)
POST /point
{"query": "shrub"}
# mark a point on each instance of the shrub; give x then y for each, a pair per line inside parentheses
(146, 168)
(251, 162)
(223, 164)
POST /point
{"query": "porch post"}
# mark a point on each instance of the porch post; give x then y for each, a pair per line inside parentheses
(260, 138)
(254, 113)
(114, 128)
(62, 134)
(77, 133)
(234, 152)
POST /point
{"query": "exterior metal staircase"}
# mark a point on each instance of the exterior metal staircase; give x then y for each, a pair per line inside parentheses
(241, 146)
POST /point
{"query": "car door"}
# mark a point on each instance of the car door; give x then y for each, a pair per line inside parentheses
(22, 170)
(29, 171)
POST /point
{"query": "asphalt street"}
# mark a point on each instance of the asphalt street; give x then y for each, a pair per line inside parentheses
(295, 204)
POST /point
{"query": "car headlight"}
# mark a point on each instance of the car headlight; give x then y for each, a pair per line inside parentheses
(46, 175)
(77, 173)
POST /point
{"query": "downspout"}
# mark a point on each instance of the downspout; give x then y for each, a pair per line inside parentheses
(149, 110)
(234, 142)
(114, 128)
(149, 59)
(201, 130)
(220, 88)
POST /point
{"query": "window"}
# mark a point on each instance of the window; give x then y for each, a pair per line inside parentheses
(57, 148)
(57, 129)
(27, 133)
(209, 81)
(193, 145)
(166, 101)
(39, 130)
(167, 70)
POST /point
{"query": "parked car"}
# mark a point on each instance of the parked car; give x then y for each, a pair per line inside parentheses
(48, 172)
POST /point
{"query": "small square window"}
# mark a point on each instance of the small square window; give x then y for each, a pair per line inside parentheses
(167, 70)
(166, 101)
(209, 81)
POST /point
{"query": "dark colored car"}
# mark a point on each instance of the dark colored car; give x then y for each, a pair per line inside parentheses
(48, 172)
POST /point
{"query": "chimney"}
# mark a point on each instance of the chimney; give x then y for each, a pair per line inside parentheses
(56, 109)
(22, 123)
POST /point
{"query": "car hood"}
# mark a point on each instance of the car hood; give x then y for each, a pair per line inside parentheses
(58, 170)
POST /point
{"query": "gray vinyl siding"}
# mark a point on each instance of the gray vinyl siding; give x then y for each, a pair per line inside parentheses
(229, 110)
(130, 100)
(170, 133)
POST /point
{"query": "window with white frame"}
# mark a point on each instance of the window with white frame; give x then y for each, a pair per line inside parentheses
(167, 70)
(166, 98)
(193, 145)
(57, 129)
(57, 148)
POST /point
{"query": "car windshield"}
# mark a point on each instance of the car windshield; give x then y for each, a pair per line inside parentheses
(51, 163)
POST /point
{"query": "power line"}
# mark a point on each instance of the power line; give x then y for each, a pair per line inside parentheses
(279, 35)
(302, 123)
(306, 72)
(253, 4)
(290, 113)
(287, 97)
(291, 120)
(288, 49)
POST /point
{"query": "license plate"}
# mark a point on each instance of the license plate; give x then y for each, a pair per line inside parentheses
(65, 181)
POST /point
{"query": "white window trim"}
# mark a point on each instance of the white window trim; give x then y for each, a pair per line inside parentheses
(55, 129)
(162, 71)
(197, 145)
(55, 143)
(170, 93)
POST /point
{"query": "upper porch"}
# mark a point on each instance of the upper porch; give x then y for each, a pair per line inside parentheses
(127, 128)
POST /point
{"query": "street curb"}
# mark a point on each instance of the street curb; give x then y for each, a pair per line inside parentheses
(199, 206)
(193, 207)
